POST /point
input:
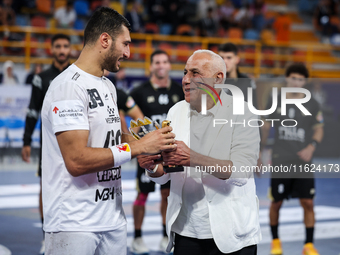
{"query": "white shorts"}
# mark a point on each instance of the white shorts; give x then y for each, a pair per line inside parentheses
(86, 243)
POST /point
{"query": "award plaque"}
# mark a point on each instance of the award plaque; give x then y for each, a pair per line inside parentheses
(141, 124)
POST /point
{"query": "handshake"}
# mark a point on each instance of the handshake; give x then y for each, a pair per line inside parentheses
(163, 138)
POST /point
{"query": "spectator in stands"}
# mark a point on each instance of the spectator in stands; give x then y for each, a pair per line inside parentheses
(8, 77)
(173, 17)
(243, 17)
(156, 10)
(7, 14)
(259, 9)
(226, 12)
(208, 25)
(66, 16)
(282, 25)
(203, 6)
(135, 18)
(325, 11)
(37, 68)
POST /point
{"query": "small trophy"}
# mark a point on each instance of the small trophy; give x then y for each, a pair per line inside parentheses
(171, 169)
(139, 134)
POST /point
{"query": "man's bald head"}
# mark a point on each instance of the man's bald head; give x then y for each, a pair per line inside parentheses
(213, 62)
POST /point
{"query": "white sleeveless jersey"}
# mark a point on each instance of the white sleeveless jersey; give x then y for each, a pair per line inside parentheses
(77, 100)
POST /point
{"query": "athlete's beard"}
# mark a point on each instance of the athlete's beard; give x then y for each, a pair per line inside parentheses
(110, 60)
(61, 62)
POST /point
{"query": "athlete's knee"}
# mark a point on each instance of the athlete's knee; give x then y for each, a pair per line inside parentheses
(141, 199)
(165, 193)
(276, 205)
(307, 204)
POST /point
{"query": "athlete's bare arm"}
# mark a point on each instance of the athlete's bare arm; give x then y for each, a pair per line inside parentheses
(80, 159)
(306, 154)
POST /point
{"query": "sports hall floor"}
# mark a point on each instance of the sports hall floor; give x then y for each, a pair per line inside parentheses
(20, 228)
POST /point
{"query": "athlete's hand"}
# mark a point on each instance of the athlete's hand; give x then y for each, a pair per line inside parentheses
(306, 154)
(157, 141)
(148, 161)
(26, 153)
(180, 156)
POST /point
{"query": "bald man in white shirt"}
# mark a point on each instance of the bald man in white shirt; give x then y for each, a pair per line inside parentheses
(209, 212)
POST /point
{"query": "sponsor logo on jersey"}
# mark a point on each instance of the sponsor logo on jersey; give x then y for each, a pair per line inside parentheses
(292, 134)
(112, 118)
(175, 98)
(150, 99)
(75, 76)
(111, 111)
(109, 175)
(71, 113)
(106, 96)
(55, 109)
(105, 194)
(163, 99)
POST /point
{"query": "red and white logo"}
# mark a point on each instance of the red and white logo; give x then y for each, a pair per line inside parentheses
(55, 110)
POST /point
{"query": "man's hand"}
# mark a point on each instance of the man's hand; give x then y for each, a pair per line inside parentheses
(148, 161)
(154, 142)
(26, 153)
(306, 154)
(179, 157)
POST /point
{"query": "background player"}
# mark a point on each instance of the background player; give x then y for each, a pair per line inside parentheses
(229, 53)
(294, 146)
(61, 49)
(155, 97)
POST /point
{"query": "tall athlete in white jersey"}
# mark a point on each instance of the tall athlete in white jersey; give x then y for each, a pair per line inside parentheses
(82, 149)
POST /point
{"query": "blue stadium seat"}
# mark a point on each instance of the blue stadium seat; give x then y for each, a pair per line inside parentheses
(81, 7)
(251, 34)
(79, 24)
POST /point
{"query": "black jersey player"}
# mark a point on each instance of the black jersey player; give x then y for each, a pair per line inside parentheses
(154, 97)
(61, 49)
(294, 144)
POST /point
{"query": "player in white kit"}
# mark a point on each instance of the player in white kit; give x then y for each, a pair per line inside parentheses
(82, 149)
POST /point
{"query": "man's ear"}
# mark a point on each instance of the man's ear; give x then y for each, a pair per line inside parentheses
(237, 59)
(105, 40)
(219, 78)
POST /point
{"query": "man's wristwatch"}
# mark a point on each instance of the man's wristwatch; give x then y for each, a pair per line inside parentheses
(314, 143)
(152, 171)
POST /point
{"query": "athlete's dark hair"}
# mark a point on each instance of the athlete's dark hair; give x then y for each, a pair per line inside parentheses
(104, 20)
(298, 68)
(228, 47)
(59, 36)
(158, 52)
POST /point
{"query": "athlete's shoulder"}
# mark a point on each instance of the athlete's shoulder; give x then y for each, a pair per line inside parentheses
(140, 88)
